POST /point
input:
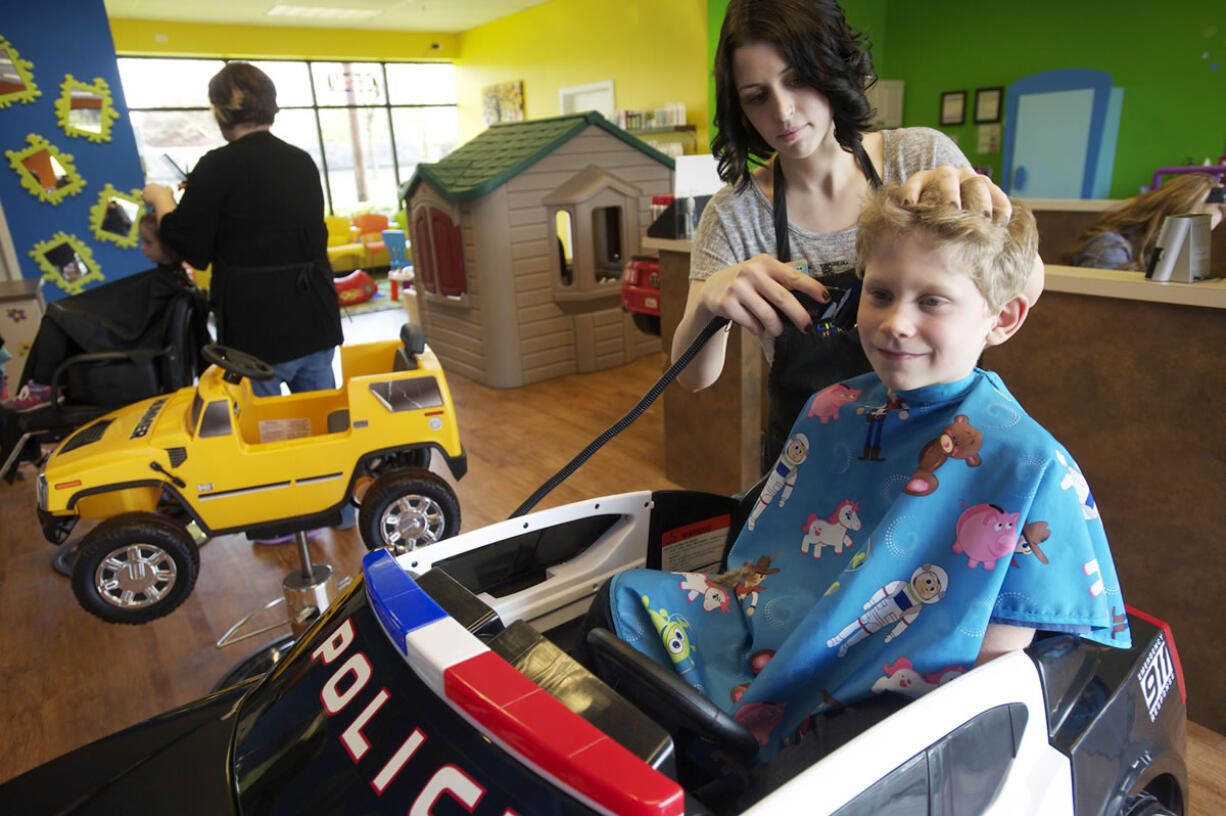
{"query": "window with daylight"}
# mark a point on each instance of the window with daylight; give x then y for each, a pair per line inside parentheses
(367, 125)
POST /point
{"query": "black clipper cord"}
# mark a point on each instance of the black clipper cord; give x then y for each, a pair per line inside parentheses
(634, 413)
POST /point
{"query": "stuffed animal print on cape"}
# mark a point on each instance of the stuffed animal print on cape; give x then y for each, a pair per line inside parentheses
(893, 529)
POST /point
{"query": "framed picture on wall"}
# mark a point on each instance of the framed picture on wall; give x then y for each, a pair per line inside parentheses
(953, 107)
(987, 105)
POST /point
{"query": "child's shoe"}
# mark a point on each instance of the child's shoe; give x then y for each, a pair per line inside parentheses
(31, 396)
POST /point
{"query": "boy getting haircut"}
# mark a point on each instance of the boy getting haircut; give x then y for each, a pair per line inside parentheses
(921, 520)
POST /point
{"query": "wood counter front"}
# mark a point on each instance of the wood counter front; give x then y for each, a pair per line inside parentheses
(713, 437)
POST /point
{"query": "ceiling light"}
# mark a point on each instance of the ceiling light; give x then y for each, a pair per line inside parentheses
(323, 12)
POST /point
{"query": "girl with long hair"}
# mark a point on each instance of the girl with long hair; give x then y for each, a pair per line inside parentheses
(1124, 237)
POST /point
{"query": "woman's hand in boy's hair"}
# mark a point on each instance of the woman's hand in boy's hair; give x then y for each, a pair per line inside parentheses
(959, 187)
(160, 197)
(757, 295)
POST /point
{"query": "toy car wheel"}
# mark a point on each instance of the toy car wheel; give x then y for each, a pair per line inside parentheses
(134, 568)
(408, 509)
(1145, 804)
(646, 323)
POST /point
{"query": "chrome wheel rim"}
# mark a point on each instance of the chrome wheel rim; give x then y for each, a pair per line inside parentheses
(135, 576)
(412, 521)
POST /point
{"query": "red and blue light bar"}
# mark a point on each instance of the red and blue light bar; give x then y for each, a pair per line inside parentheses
(510, 709)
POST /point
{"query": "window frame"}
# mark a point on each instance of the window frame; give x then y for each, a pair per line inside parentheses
(315, 107)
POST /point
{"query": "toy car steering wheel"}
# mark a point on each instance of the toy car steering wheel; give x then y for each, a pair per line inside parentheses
(237, 364)
(667, 698)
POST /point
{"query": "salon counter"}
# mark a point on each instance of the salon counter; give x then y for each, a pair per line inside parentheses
(1061, 222)
(1125, 372)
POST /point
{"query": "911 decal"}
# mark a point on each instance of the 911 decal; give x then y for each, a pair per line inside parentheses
(1155, 677)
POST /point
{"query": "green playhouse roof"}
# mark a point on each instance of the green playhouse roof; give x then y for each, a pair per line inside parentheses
(505, 150)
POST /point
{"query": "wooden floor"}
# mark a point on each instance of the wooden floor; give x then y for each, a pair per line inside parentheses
(67, 678)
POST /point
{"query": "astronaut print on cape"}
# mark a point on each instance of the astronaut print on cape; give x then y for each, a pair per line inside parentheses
(875, 564)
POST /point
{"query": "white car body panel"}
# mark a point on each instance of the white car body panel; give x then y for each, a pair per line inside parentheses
(568, 587)
(1039, 779)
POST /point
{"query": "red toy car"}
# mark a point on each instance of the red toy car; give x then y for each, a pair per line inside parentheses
(641, 292)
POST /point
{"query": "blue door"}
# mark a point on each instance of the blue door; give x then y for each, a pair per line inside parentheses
(1060, 134)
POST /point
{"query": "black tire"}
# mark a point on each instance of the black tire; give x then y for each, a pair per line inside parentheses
(166, 563)
(1145, 804)
(647, 323)
(418, 458)
(257, 664)
(407, 509)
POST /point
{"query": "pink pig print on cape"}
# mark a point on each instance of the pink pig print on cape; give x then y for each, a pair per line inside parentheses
(826, 404)
(985, 534)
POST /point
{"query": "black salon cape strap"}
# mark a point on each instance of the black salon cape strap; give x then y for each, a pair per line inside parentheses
(807, 362)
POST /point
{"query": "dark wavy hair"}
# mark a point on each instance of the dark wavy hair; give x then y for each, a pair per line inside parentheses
(242, 94)
(815, 39)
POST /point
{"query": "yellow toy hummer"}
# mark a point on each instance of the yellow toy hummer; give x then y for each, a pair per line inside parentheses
(215, 459)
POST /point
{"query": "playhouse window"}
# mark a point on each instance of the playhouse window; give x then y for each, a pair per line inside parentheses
(438, 254)
(607, 242)
(566, 246)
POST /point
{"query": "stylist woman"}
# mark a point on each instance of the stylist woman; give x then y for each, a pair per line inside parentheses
(254, 209)
(789, 84)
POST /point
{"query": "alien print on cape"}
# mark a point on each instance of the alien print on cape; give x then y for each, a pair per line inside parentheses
(893, 529)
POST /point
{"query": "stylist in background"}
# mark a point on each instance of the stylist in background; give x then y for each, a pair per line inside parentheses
(795, 149)
(1125, 237)
(254, 209)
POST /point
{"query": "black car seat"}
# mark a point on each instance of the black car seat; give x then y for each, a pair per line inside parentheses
(113, 345)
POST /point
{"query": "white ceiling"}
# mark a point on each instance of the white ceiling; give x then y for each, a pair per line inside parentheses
(443, 16)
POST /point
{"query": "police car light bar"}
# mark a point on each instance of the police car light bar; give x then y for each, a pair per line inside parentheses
(518, 715)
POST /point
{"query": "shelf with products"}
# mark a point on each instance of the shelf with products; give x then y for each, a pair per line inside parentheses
(673, 140)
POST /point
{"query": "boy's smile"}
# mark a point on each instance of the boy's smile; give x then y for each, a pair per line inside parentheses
(922, 322)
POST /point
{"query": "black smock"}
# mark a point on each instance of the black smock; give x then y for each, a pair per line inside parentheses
(254, 209)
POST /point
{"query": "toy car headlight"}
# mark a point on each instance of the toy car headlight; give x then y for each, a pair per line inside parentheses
(42, 491)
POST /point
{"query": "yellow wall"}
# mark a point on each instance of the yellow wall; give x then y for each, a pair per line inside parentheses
(655, 52)
(157, 38)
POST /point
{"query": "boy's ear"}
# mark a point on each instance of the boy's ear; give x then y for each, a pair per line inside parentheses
(1010, 317)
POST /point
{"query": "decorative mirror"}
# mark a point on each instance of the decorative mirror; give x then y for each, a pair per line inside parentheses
(86, 111)
(47, 173)
(16, 81)
(67, 262)
(116, 216)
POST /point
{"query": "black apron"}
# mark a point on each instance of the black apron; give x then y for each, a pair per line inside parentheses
(276, 313)
(808, 362)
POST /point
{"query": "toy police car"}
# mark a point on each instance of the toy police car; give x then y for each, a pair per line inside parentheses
(216, 459)
(436, 684)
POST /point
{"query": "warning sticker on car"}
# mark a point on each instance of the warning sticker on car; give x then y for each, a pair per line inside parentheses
(1155, 677)
(696, 547)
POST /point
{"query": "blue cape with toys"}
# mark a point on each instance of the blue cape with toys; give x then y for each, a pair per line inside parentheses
(892, 530)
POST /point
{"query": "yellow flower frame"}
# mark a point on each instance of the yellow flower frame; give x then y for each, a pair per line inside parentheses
(38, 144)
(97, 216)
(30, 91)
(75, 284)
(107, 112)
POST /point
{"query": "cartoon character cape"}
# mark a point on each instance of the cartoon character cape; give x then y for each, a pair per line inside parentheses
(893, 529)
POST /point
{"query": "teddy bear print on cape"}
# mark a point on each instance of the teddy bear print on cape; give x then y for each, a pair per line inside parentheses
(855, 567)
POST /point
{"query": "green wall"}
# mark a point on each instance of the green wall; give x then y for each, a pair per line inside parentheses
(1174, 99)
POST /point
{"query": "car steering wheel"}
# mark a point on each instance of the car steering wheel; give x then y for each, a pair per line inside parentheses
(237, 364)
(668, 699)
